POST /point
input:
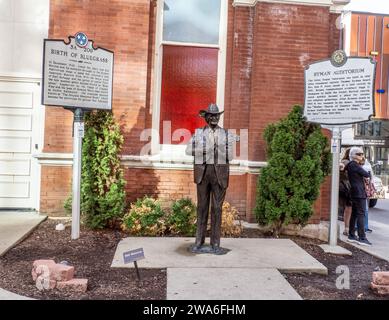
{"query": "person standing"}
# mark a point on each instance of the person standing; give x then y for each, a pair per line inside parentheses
(358, 196)
(344, 191)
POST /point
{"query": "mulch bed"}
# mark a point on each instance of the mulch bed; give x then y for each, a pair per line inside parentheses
(92, 254)
(319, 287)
(361, 266)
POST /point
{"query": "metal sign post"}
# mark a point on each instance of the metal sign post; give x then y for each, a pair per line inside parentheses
(78, 134)
(335, 149)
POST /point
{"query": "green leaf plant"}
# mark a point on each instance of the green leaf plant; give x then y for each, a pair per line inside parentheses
(299, 159)
(102, 183)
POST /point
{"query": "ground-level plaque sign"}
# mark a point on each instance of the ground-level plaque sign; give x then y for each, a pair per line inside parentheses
(76, 74)
(339, 90)
(134, 256)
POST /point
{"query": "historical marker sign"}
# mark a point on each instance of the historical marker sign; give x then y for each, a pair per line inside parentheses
(340, 90)
(76, 74)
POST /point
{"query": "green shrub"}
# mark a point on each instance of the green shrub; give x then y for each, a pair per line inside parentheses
(298, 160)
(102, 183)
(145, 218)
(182, 219)
(68, 205)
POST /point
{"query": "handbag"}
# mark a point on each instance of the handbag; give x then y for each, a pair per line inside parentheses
(369, 187)
(345, 190)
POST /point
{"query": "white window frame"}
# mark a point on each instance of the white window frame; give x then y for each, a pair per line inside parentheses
(175, 151)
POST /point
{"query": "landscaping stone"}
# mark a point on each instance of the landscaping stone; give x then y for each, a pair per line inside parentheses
(57, 271)
(37, 263)
(42, 285)
(61, 272)
(380, 289)
(74, 285)
(381, 278)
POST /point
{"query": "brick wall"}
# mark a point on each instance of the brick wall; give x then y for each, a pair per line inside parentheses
(168, 185)
(286, 38)
(56, 186)
(123, 27)
(267, 48)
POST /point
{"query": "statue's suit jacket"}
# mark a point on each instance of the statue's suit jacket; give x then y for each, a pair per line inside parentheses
(205, 153)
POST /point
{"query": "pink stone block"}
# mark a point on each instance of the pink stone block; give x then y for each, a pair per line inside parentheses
(36, 263)
(380, 289)
(74, 285)
(61, 272)
(381, 278)
(45, 262)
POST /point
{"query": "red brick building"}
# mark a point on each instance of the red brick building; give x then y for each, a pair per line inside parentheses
(170, 61)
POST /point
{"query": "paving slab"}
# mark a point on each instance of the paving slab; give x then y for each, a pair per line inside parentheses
(379, 238)
(16, 226)
(7, 295)
(228, 284)
(335, 250)
(170, 252)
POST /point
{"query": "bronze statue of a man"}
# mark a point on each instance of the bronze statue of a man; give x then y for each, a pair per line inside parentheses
(212, 147)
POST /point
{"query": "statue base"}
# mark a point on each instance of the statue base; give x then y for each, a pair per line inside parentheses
(208, 249)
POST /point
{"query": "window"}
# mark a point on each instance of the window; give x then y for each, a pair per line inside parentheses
(191, 21)
(190, 66)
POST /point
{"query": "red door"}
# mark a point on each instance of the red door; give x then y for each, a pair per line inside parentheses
(189, 76)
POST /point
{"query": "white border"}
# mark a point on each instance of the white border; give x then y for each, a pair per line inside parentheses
(156, 148)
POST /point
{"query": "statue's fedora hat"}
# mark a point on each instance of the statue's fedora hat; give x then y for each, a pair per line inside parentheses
(212, 109)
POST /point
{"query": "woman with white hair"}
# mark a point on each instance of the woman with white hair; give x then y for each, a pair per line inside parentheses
(358, 196)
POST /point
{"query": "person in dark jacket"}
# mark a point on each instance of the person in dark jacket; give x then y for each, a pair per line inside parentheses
(358, 195)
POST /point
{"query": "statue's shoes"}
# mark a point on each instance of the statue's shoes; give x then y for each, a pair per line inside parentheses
(219, 250)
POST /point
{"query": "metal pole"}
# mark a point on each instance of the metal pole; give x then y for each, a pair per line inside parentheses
(335, 149)
(137, 270)
(78, 134)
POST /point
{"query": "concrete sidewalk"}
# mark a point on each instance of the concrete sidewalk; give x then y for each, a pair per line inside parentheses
(379, 223)
(170, 252)
(250, 271)
(7, 295)
(379, 238)
(228, 284)
(15, 226)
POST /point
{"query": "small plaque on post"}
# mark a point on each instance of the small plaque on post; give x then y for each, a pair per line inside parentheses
(134, 256)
